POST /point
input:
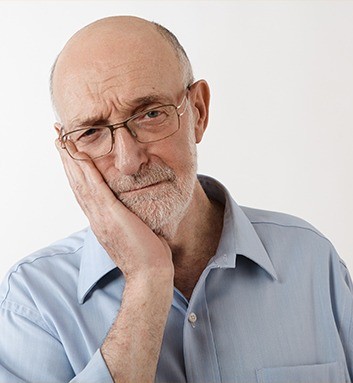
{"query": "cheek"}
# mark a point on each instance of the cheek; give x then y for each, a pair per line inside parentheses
(184, 166)
(106, 167)
(179, 153)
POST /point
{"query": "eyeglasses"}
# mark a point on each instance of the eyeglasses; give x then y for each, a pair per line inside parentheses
(151, 125)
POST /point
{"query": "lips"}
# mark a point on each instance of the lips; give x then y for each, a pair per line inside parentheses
(142, 187)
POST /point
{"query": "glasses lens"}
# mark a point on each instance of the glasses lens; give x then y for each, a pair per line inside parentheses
(148, 126)
(155, 124)
(95, 142)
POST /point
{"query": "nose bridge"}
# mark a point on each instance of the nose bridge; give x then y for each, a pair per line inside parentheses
(129, 154)
(125, 126)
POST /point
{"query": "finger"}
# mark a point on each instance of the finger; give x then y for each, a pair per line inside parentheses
(78, 169)
(71, 167)
(86, 181)
(84, 168)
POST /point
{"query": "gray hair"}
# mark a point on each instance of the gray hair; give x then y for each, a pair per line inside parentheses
(180, 52)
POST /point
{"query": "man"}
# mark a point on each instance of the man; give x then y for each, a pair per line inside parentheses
(173, 281)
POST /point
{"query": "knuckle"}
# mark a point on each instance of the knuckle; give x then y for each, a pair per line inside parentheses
(78, 188)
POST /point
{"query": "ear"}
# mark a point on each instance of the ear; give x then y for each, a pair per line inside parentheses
(57, 127)
(200, 101)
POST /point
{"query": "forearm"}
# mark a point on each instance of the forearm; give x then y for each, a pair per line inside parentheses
(131, 349)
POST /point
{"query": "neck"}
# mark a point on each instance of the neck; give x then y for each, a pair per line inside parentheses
(196, 240)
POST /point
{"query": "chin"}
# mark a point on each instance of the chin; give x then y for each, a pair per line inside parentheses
(163, 209)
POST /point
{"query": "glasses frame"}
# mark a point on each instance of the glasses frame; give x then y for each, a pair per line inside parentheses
(124, 124)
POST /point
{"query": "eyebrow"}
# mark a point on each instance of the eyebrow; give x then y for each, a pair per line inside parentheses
(135, 105)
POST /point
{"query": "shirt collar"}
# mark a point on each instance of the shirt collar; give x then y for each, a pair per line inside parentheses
(238, 235)
(238, 238)
(95, 264)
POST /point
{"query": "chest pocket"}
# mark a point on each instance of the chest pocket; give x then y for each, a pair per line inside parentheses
(317, 373)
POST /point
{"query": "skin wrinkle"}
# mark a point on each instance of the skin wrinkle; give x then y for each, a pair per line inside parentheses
(109, 103)
(127, 108)
(126, 111)
(103, 102)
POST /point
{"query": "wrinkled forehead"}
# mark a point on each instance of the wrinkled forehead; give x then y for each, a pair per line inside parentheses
(99, 69)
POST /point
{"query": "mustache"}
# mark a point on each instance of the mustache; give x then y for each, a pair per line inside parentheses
(146, 176)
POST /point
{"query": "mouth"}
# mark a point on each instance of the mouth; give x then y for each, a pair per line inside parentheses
(142, 188)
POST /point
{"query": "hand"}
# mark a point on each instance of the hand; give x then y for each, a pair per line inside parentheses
(146, 261)
(127, 239)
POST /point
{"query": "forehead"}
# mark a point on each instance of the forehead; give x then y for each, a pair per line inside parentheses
(113, 98)
(115, 76)
(98, 116)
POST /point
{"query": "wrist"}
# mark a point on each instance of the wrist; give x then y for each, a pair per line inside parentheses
(150, 282)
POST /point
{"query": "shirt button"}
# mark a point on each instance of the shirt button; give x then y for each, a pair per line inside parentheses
(192, 319)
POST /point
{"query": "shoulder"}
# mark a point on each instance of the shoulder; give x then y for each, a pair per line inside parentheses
(268, 218)
(287, 234)
(55, 265)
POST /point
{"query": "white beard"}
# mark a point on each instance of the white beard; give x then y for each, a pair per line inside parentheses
(163, 207)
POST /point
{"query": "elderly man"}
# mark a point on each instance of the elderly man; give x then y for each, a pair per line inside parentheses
(173, 281)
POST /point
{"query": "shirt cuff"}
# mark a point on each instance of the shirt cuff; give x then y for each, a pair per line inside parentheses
(96, 371)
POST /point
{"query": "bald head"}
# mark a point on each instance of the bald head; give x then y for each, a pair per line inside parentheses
(120, 35)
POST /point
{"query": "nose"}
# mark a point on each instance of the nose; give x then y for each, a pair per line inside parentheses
(129, 155)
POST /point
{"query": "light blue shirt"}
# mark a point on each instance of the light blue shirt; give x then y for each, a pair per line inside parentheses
(273, 305)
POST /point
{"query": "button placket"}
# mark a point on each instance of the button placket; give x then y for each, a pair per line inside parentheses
(201, 363)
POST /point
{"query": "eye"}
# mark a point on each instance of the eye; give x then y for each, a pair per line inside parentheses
(153, 113)
(88, 133)
(152, 118)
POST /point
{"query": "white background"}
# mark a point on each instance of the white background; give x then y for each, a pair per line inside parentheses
(280, 132)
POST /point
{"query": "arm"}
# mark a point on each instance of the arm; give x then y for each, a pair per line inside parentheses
(131, 349)
(30, 352)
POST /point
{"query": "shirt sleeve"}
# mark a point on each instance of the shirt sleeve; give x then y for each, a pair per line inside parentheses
(342, 298)
(96, 371)
(30, 353)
